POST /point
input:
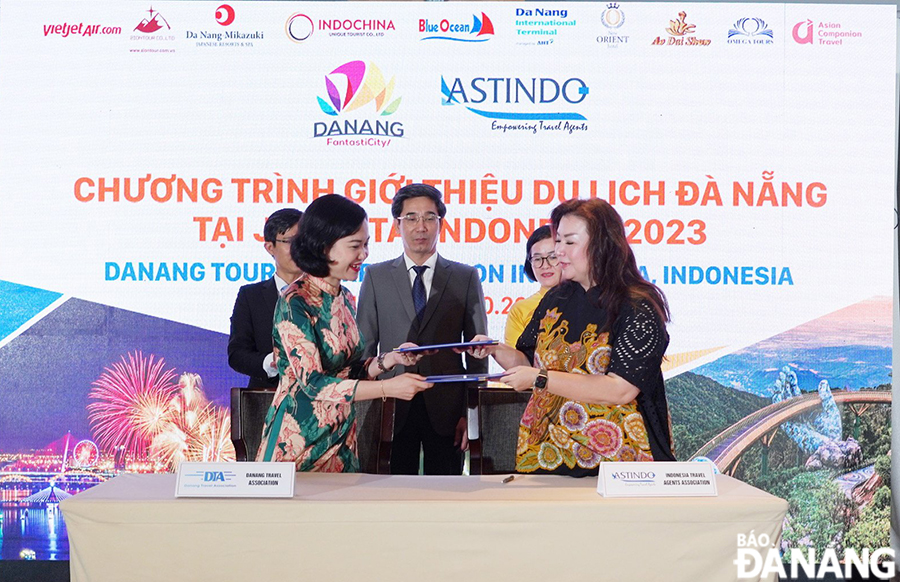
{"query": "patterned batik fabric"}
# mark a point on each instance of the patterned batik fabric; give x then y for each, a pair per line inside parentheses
(318, 352)
(567, 436)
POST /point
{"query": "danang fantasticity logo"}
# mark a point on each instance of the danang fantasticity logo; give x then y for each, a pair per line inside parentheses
(750, 31)
(531, 104)
(359, 86)
(681, 33)
(479, 30)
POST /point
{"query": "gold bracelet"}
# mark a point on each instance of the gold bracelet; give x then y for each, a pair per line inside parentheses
(383, 395)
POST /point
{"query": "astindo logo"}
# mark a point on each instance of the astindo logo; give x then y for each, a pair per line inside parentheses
(353, 86)
(634, 476)
(480, 30)
(803, 32)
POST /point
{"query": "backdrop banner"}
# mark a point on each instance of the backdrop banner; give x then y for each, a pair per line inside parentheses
(750, 149)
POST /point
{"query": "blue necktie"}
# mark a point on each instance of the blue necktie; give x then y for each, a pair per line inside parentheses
(420, 298)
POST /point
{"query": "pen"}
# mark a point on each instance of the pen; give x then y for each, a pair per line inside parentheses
(509, 479)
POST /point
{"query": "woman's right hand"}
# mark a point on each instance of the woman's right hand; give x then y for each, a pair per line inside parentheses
(479, 352)
(405, 386)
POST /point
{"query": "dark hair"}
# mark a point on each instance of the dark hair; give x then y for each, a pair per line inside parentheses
(279, 222)
(326, 220)
(417, 191)
(539, 234)
(613, 266)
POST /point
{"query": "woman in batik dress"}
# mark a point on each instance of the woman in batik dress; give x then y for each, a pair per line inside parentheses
(592, 354)
(318, 348)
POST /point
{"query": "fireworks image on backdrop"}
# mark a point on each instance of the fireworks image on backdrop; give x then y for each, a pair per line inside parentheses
(139, 406)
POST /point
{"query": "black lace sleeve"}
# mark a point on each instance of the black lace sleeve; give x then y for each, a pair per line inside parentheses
(639, 343)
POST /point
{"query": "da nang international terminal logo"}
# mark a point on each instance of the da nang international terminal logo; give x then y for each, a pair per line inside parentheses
(359, 87)
(479, 30)
(521, 104)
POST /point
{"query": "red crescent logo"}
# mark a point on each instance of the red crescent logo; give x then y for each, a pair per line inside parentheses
(224, 14)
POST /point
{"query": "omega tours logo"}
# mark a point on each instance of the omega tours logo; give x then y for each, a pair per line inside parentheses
(479, 30)
(681, 34)
(224, 16)
(750, 31)
(516, 104)
(612, 19)
(822, 33)
(355, 86)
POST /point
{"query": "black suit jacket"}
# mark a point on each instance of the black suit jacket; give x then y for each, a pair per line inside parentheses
(250, 340)
(454, 312)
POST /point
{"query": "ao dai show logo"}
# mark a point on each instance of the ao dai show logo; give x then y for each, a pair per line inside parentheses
(349, 89)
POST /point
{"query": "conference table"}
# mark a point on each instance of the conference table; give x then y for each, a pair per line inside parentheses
(360, 527)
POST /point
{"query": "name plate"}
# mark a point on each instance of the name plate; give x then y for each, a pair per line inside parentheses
(660, 479)
(235, 480)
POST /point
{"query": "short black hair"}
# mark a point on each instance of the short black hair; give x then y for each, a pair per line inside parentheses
(539, 234)
(279, 222)
(326, 220)
(417, 191)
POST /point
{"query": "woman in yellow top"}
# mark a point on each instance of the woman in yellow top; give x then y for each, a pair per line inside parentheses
(541, 265)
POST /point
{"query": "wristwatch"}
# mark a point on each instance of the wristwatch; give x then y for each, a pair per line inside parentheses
(540, 383)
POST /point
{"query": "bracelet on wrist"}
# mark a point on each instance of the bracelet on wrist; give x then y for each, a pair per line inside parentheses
(380, 361)
(383, 395)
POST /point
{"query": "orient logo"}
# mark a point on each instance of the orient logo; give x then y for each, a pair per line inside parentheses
(612, 19)
(823, 33)
(353, 88)
(479, 30)
(750, 31)
(529, 105)
(230, 38)
(681, 34)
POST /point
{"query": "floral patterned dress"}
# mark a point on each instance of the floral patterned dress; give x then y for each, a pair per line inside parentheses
(318, 351)
(558, 435)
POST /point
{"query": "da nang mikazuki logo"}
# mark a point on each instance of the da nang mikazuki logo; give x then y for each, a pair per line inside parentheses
(356, 84)
(479, 30)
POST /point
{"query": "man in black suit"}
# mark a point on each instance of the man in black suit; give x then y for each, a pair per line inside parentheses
(423, 298)
(250, 342)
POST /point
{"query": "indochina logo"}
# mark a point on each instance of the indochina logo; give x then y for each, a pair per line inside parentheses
(352, 87)
(516, 104)
(153, 24)
(680, 34)
(216, 37)
(750, 31)
(299, 27)
(822, 33)
(612, 18)
(480, 30)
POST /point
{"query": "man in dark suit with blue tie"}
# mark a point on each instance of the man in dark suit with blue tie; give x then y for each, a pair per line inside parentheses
(423, 298)
(250, 341)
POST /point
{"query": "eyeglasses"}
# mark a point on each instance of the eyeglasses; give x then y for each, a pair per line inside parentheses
(413, 219)
(537, 261)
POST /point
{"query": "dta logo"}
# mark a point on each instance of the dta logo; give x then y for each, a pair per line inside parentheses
(353, 86)
(224, 14)
(211, 476)
(807, 37)
(299, 27)
(458, 31)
